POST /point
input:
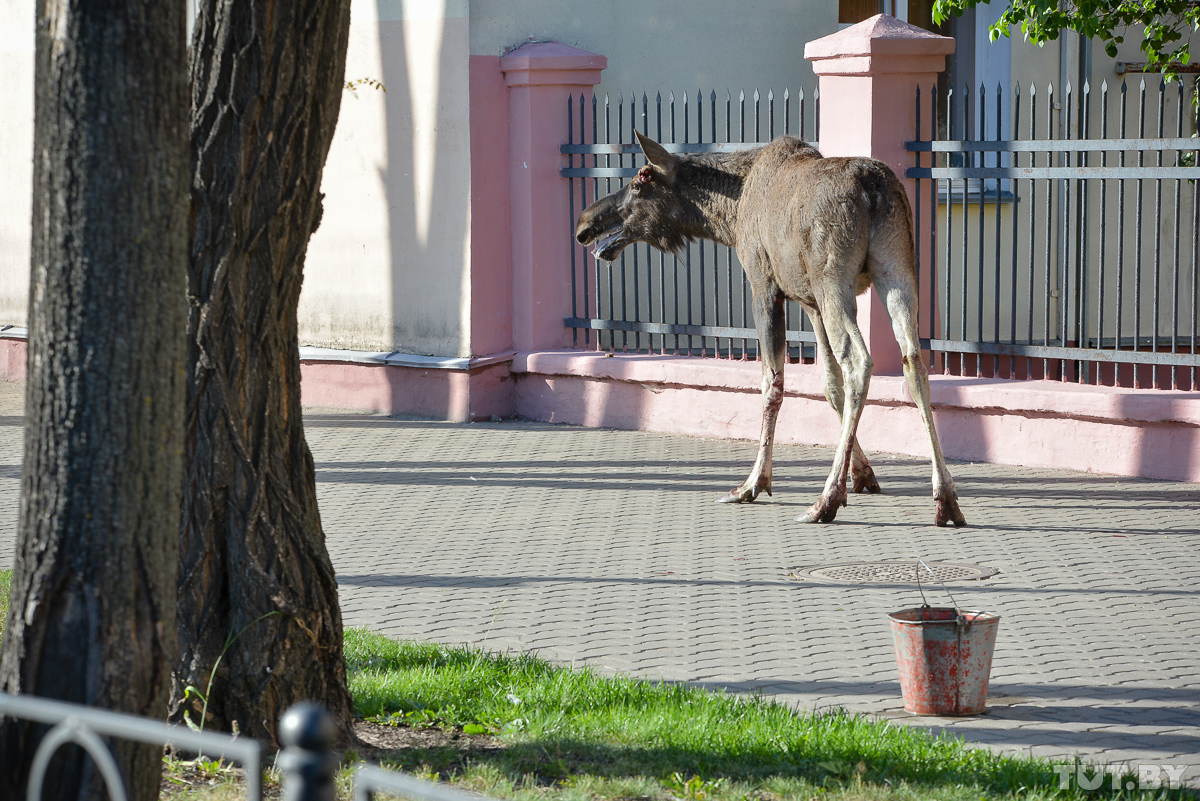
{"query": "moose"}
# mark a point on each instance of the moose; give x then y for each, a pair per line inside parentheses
(817, 230)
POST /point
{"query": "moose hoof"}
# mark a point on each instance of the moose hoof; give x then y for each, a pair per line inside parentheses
(864, 480)
(741, 494)
(824, 510)
(946, 511)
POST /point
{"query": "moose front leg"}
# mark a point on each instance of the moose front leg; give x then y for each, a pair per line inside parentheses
(772, 340)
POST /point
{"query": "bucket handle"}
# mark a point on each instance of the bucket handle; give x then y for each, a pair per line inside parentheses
(961, 619)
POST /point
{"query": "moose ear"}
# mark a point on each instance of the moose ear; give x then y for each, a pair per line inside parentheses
(657, 155)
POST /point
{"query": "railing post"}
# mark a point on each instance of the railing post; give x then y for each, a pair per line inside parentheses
(869, 74)
(309, 765)
(541, 77)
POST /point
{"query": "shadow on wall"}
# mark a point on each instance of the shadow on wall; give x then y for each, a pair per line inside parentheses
(1163, 450)
(424, 53)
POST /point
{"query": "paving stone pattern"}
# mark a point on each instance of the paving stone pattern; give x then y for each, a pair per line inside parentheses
(606, 548)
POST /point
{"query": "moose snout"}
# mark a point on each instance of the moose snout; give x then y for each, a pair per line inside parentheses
(588, 228)
(597, 219)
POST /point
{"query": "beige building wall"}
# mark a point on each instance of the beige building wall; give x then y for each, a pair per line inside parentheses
(16, 157)
(671, 45)
(389, 267)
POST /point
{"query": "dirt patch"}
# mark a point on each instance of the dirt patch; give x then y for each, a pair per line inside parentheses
(381, 742)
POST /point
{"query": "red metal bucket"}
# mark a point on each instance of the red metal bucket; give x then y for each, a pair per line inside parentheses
(945, 658)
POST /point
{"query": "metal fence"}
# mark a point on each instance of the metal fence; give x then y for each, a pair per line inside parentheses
(1070, 253)
(307, 762)
(696, 303)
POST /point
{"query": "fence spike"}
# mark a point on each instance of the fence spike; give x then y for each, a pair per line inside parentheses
(756, 93)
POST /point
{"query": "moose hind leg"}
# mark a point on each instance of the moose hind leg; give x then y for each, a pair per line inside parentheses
(850, 350)
(769, 320)
(900, 299)
(862, 476)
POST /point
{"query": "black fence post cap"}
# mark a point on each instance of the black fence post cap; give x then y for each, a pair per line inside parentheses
(309, 726)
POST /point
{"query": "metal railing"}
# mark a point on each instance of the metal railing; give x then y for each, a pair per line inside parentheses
(84, 726)
(370, 780)
(696, 303)
(1059, 257)
(307, 762)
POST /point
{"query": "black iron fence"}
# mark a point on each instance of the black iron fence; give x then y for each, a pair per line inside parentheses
(1070, 253)
(696, 303)
(307, 762)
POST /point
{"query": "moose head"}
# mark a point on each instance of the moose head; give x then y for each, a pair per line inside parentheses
(651, 208)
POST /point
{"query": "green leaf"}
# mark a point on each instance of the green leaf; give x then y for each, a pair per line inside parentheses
(474, 728)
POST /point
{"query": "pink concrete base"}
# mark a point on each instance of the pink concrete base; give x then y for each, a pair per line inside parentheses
(13, 356)
(1149, 433)
(457, 395)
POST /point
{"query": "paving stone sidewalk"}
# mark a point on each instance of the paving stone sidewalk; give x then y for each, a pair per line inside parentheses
(605, 548)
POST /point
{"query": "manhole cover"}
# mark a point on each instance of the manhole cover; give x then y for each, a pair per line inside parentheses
(898, 572)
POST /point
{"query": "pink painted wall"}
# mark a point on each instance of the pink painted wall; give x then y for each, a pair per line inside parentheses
(491, 242)
(540, 78)
(1153, 434)
(869, 75)
(457, 395)
(14, 354)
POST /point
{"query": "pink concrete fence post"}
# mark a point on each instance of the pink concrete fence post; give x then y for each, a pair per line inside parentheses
(540, 78)
(869, 74)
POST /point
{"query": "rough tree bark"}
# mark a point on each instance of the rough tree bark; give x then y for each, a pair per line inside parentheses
(258, 606)
(92, 617)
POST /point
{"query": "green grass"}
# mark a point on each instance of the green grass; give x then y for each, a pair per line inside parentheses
(570, 734)
(577, 735)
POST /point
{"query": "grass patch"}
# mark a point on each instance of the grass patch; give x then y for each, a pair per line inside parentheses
(570, 734)
(576, 735)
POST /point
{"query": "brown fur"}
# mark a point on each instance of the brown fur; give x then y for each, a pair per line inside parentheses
(816, 230)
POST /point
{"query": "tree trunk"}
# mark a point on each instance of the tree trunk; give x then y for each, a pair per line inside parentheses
(92, 617)
(259, 620)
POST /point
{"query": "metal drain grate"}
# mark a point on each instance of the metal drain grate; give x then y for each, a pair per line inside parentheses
(898, 572)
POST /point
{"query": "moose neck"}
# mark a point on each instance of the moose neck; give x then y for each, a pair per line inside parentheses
(713, 185)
